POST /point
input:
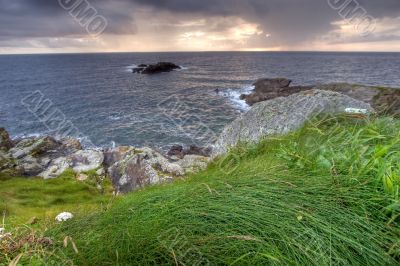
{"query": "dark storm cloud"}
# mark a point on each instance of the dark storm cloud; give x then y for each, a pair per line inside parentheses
(288, 21)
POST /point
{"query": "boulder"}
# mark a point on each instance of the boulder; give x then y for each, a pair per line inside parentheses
(156, 68)
(5, 141)
(283, 115)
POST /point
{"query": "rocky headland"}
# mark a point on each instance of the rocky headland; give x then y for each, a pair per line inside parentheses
(277, 108)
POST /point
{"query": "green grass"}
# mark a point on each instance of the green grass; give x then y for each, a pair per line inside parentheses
(320, 196)
(325, 195)
(23, 198)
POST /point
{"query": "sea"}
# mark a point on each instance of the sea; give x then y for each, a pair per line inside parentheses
(98, 99)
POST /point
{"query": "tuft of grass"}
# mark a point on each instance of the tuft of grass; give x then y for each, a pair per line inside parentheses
(319, 196)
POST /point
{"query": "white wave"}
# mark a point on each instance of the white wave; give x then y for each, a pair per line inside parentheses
(182, 68)
(234, 96)
(130, 67)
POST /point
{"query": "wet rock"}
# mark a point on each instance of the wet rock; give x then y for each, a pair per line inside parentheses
(283, 115)
(176, 150)
(5, 141)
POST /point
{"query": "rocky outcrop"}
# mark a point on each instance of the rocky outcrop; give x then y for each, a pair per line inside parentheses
(268, 89)
(383, 100)
(282, 115)
(129, 168)
(156, 68)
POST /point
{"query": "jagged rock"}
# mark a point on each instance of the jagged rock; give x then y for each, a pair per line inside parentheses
(86, 160)
(5, 141)
(283, 115)
(111, 156)
(141, 167)
(155, 69)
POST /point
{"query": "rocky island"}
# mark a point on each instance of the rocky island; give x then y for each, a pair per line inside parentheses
(156, 68)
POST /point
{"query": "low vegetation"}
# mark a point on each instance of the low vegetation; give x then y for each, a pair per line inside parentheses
(325, 195)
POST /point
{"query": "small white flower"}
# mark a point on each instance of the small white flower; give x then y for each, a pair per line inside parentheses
(64, 216)
(2, 230)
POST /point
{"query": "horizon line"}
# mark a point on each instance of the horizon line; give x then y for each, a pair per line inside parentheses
(216, 51)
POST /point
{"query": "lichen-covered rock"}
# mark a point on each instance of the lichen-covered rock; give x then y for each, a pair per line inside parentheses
(283, 115)
(5, 141)
(111, 156)
(31, 166)
(86, 160)
(56, 168)
(142, 167)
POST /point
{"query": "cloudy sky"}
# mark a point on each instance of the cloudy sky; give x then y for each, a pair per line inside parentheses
(41, 26)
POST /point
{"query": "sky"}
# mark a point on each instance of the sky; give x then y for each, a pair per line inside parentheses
(58, 26)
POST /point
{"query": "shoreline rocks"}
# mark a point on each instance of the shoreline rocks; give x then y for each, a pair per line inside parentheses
(128, 168)
(156, 68)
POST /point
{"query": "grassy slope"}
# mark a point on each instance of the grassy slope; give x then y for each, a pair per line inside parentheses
(21, 199)
(327, 194)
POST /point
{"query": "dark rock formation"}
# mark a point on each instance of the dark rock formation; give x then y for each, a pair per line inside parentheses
(268, 89)
(155, 69)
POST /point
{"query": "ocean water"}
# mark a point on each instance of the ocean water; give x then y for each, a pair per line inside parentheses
(101, 99)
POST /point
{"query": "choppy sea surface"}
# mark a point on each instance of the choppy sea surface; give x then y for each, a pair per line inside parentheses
(99, 96)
